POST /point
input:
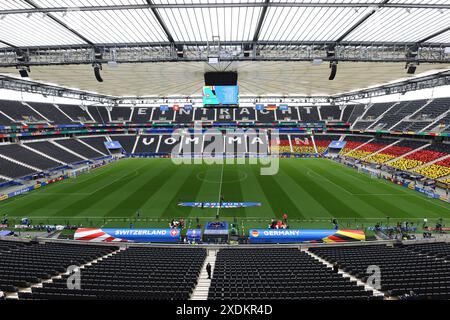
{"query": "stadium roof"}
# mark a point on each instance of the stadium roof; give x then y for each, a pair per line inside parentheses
(256, 78)
(27, 23)
(283, 36)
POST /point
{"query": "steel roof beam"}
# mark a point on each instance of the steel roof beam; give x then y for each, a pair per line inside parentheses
(276, 44)
(62, 24)
(361, 21)
(261, 20)
(226, 5)
(434, 35)
(160, 21)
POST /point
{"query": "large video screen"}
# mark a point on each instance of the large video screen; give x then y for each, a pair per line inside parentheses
(220, 95)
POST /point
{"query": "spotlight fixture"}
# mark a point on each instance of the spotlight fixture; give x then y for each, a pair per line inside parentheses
(22, 63)
(248, 48)
(331, 55)
(333, 66)
(180, 51)
(411, 68)
(97, 65)
(97, 69)
(411, 56)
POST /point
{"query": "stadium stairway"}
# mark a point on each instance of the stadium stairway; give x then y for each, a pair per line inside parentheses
(20, 163)
(367, 287)
(360, 146)
(55, 142)
(382, 149)
(91, 147)
(202, 289)
(15, 295)
(432, 162)
(435, 123)
(376, 122)
(42, 154)
(408, 153)
(5, 178)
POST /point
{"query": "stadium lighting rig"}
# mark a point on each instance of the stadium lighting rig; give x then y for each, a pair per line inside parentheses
(331, 54)
(97, 65)
(22, 59)
(412, 54)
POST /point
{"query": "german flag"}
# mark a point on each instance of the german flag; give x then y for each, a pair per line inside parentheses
(346, 236)
(271, 107)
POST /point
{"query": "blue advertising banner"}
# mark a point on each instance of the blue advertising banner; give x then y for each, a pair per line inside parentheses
(287, 235)
(112, 145)
(194, 235)
(337, 144)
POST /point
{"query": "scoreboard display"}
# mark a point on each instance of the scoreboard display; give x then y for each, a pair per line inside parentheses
(214, 96)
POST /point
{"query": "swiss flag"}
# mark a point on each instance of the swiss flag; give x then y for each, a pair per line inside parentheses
(176, 107)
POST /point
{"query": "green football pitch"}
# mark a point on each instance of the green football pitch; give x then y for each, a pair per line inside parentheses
(310, 191)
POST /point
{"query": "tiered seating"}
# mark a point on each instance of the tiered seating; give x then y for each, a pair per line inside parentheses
(100, 114)
(245, 114)
(287, 115)
(353, 142)
(54, 151)
(434, 109)
(397, 113)
(163, 115)
(279, 273)
(436, 249)
(370, 148)
(21, 154)
(436, 170)
(4, 121)
(7, 245)
(401, 270)
(79, 148)
(395, 151)
(352, 112)
(421, 157)
(185, 115)
(20, 112)
(127, 142)
(309, 114)
(75, 112)
(120, 114)
(302, 144)
(33, 263)
(323, 141)
(225, 115)
(50, 112)
(235, 144)
(97, 143)
(13, 170)
(362, 125)
(266, 116)
(374, 111)
(147, 144)
(280, 146)
(331, 113)
(205, 114)
(136, 273)
(425, 116)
